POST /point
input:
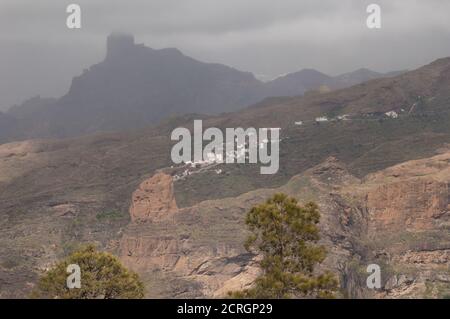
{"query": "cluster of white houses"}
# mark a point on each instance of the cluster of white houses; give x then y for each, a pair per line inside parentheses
(345, 117)
(213, 159)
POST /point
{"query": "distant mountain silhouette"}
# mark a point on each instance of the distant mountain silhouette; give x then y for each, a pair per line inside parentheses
(360, 76)
(135, 86)
(31, 106)
(298, 83)
(8, 127)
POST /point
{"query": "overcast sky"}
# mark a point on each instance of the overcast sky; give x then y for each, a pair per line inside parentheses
(39, 55)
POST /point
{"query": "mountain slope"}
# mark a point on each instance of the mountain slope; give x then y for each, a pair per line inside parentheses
(362, 75)
(298, 83)
(8, 127)
(366, 139)
(56, 194)
(136, 86)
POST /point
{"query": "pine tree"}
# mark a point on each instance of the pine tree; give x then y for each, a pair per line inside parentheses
(102, 277)
(284, 235)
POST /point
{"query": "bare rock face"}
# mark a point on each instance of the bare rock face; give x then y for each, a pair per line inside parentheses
(154, 199)
(412, 196)
(408, 214)
(397, 218)
(407, 205)
(198, 251)
(184, 248)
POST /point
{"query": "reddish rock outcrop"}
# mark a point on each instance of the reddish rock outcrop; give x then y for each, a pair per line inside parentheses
(407, 205)
(412, 196)
(154, 199)
(182, 245)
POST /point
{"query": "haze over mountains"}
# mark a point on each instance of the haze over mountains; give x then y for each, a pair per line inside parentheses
(302, 81)
(379, 205)
(135, 86)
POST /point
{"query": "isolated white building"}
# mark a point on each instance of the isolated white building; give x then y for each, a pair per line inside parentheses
(322, 119)
(343, 117)
(392, 114)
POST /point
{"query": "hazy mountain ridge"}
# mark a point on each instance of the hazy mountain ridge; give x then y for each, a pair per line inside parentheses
(362, 75)
(136, 86)
(298, 83)
(8, 127)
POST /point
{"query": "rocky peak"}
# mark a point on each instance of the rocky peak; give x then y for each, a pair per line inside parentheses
(118, 45)
(154, 199)
(332, 171)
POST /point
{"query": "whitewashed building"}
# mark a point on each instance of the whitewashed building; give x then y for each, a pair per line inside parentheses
(321, 119)
(392, 114)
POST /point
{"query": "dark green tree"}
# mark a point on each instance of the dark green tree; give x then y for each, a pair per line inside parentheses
(102, 277)
(284, 235)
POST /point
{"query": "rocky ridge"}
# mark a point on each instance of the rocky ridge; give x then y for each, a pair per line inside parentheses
(198, 259)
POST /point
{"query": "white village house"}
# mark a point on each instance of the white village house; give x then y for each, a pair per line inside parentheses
(321, 119)
(392, 114)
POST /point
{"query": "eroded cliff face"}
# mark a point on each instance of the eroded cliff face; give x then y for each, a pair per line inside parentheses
(407, 205)
(190, 252)
(154, 199)
(198, 251)
(412, 196)
(408, 216)
(398, 218)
